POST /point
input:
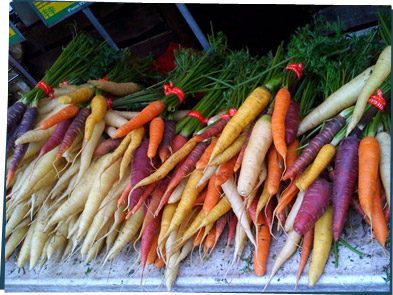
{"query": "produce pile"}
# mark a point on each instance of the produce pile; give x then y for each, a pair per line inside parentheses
(108, 150)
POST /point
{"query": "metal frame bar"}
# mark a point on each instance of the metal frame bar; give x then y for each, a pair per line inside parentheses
(193, 25)
(99, 27)
(22, 70)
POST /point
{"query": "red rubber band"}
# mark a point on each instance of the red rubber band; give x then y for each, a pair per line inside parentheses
(230, 114)
(61, 84)
(377, 100)
(197, 115)
(168, 89)
(296, 68)
(109, 102)
(46, 87)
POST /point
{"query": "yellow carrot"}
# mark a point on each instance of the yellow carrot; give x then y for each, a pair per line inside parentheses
(222, 207)
(136, 137)
(323, 237)
(98, 109)
(119, 151)
(167, 213)
(80, 95)
(248, 111)
(320, 163)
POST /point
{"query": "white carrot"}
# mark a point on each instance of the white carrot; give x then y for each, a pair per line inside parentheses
(177, 192)
(292, 214)
(16, 238)
(384, 141)
(113, 119)
(35, 135)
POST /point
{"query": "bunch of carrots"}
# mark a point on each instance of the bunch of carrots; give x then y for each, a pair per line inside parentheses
(254, 150)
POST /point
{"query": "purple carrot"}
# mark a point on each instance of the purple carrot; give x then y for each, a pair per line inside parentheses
(211, 131)
(182, 171)
(315, 202)
(14, 114)
(73, 130)
(141, 167)
(56, 138)
(106, 146)
(309, 152)
(345, 176)
(292, 121)
(11, 137)
(169, 133)
(25, 125)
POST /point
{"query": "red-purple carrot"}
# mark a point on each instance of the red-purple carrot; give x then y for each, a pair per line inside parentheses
(25, 125)
(141, 167)
(14, 114)
(252, 211)
(269, 209)
(315, 202)
(169, 133)
(77, 126)
(309, 152)
(183, 170)
(354, 201)
(345, 176)
(386, 213)
(56, 138)
(148, 190)
(292, 121)
(106, 146)
(211, 131)
(178, 143)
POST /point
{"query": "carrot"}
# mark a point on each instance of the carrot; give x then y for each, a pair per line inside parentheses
(66, 113)
(167, 166)
(243, 149)
(16, 238)
(275, 169)
(219, 210)
(325, 155)
(169, 133)
(35, 135)
(148, 113)
(209, 241)
(186, 168)
(380, 72)
(148, 190)
(178, 191)
(344, 180)
(80, 95)
(151, 256)
(159, 262)
(178, 142)
(116, 89)
(254, 155)
(211, 131)
(386, 213)
(167, 213)
(356, 205)
(310, 151)
(156, 132)
(368, 171)
(292, 121)
(293, 239)
(281, 105)
(15, 113)
(73, 130)
(197, 239)
(113, 119)
(110, 131)
(106, 146)
(204, 159)
(226, 170)
(384, 141)
(248, 111)
(25, 125)
(323, 237)
(135, 137)
(262, 249)
(306, 248)
(212, 195)
(341, 99)
(315, 202)
(231, 227)
(98, 109)
(378, 222)
(56, 138)
(236, 201)
(292, 153)
(200, 199)
(11, 139)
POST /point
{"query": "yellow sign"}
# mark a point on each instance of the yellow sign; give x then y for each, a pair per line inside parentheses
(12, 32)
(49, 9)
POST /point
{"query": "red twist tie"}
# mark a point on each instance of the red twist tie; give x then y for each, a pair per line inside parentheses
(296, 68)
(46, 87)
(61, 84)
(103, 79)
(168, 89)
(109, 102)
(377, 100)
(197, 115)
(230, 114)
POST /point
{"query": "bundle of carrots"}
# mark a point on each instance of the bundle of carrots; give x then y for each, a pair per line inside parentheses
(253, 152)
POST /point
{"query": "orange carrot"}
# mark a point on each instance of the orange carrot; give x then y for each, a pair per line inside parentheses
(200, 199)
(212, 195)
(64, 114)
(124, 195)
(160, 261)
(275, 169)
(306, 248)
(378, 222)
(151, 256)
(291, 154)
(263, 244)
(287, 196)
(147, 114)
(368, 171)
(206, 155)
(197, 240)
(226, 170)
(281, 105)
(209, 241)
(156, 132)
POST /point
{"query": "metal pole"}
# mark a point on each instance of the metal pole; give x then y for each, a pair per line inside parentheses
(99, 27)
(22, 70)
(193, 25)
